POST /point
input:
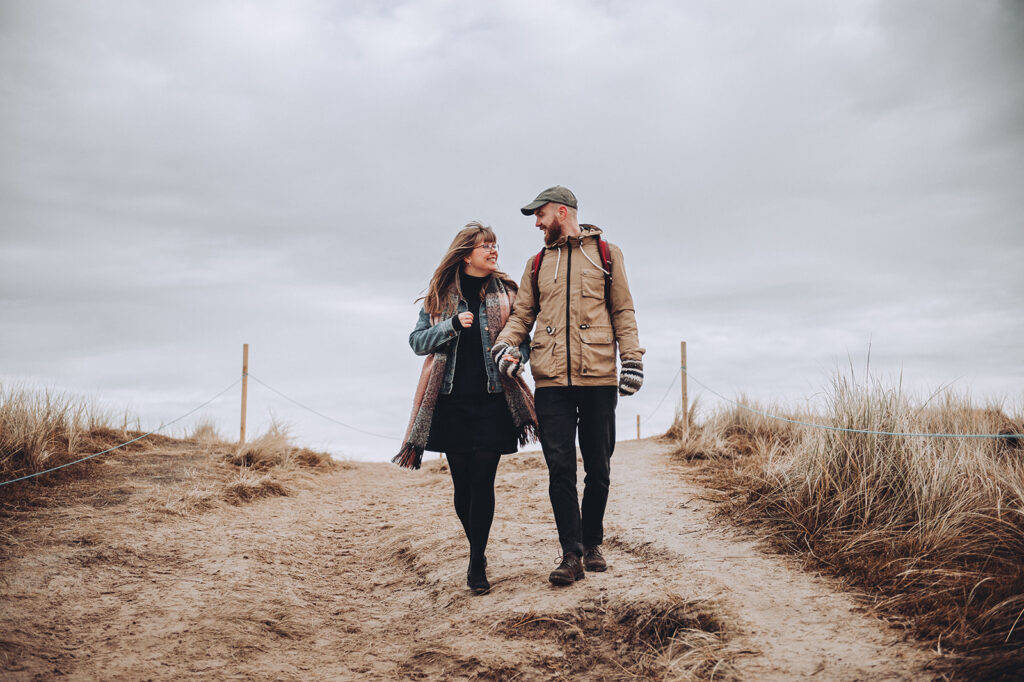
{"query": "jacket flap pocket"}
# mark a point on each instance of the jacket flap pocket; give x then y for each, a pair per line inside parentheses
(593, 283)
(597, 335)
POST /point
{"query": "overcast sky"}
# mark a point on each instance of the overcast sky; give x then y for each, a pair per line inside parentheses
(791, 182)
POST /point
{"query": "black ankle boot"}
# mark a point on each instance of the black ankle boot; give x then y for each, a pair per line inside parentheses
(476, 576)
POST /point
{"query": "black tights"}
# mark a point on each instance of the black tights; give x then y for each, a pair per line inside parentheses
(473, 477)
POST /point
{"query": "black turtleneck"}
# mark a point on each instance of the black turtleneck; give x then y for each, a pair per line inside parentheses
(470, 376)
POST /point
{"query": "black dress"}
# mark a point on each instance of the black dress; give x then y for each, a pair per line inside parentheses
(470, 419)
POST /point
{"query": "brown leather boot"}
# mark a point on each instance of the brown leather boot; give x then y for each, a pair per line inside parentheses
(593, 560)
(569, 570)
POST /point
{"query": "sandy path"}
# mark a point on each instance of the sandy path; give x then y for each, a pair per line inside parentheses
(794, 624)
(359, 573)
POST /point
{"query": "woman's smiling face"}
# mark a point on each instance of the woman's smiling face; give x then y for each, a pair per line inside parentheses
(482, 260)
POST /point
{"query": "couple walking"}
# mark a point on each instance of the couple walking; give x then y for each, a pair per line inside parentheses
(471, 401)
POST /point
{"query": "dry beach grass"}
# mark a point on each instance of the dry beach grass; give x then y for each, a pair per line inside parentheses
(40, 429)
(932, 529)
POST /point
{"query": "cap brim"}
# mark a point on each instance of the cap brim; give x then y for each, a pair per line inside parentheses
(532, 206)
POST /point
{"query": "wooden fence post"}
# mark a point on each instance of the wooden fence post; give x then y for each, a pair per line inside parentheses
(245, 388)
(682, 382)
(638, 427)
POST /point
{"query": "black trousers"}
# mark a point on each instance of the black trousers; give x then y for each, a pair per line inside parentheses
(560, 410)
(473, 480)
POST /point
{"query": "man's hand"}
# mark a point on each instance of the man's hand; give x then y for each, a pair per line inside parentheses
(508, 359)
(631, 377)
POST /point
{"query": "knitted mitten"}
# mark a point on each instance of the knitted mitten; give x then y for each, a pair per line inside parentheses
(507, 367)
(631, 377)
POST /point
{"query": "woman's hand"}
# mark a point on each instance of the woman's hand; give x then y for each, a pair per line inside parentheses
(508, 359)
(465, 319)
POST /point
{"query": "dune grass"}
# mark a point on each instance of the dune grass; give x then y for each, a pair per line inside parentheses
(931, 528)
(262, 467)
(274, 449)
(671, 638)
(41, 429)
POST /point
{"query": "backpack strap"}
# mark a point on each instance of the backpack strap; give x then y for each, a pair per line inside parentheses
(535, 277)
(606, 263)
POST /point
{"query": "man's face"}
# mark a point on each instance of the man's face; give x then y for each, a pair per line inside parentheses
(549, 221)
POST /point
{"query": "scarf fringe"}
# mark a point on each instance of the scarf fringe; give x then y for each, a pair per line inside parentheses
(528, 434)
(409, 457)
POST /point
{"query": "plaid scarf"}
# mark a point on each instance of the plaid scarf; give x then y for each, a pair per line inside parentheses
(498, 300)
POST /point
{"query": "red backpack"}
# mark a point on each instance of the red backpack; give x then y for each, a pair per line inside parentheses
(606, 263)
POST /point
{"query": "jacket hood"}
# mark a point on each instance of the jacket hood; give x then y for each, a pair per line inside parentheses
(586, 231)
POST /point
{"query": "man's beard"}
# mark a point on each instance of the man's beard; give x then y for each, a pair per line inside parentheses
(552, 234)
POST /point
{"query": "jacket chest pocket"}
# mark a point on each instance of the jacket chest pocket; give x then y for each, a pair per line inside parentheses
(593, 283)
(597, 352)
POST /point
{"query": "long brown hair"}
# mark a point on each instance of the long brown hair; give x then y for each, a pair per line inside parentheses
(446, 276)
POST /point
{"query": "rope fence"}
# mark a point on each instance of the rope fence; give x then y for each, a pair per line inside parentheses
(193, 411)
(320, 414)
(138, 438)
(683, 370)
(670, 386)
(840, 428)
(679, 373)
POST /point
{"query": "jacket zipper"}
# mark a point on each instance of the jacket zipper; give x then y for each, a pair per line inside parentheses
(568, 299)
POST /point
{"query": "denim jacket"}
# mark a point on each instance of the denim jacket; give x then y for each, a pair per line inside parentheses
(426, 339)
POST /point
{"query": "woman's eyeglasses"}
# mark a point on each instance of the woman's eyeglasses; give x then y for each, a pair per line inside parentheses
(487, 247)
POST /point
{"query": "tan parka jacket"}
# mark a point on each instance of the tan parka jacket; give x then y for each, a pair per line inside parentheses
(576, 336)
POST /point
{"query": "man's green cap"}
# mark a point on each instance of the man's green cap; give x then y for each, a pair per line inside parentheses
(556, 194)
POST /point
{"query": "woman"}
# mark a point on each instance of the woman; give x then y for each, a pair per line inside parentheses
(463, 406)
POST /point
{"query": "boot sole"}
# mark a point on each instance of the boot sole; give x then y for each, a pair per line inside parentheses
(559, 580)
(596, 569)
(477, 589)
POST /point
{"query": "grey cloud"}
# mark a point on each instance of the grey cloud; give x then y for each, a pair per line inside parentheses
(789, 183)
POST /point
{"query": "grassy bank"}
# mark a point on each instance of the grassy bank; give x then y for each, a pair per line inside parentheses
(41, 429)
(931, 528)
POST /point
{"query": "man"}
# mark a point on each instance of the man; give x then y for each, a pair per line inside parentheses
(577, 293)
